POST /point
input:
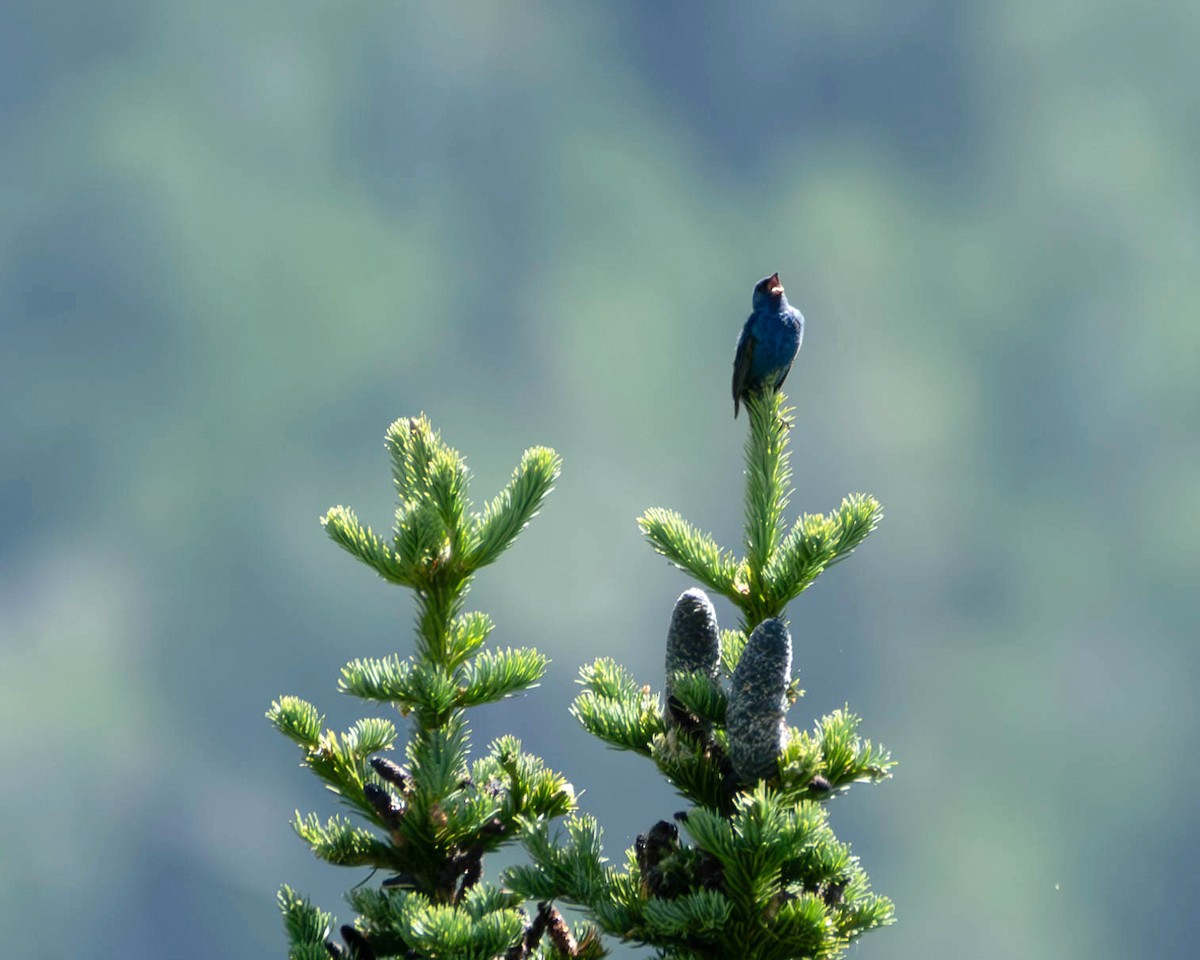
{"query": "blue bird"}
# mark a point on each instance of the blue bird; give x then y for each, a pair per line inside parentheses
(769, 342)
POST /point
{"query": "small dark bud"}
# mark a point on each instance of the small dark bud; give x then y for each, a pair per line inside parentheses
(693, 640)
(664, 832)
(658, 842)
(668, 871)
(386, 804)
(392, 772)
(448, 874)
(819, 784)
(755, 719)
(709, 872)
(834, 893)
(356, 940)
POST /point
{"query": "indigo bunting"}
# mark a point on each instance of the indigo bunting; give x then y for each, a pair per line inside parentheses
(769, 342)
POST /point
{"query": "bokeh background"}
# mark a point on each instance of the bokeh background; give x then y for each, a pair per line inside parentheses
(237, 240)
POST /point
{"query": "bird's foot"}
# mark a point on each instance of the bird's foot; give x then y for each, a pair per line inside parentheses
(787, 422)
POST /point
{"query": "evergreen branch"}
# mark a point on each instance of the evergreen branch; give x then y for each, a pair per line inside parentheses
(627, 724)
(571, 870)
(768, 482)
(341, 760)
(343, 528)
(439, 604)
(753, 844)
(309, 951)
(419, 926)
(425, 688)
(512, 509)
(816, 542)
(613, 708)
(845, 756)
(496, 674)
(546, 795)
(621, 912)
(696, 913)
(802, 925)
(338, 842)
(447, 933)
(438, 822)
(387, 679)
(485, 898)
(385, 908)
(305, 925)
(448, 479)
(421, 539)
(436, 756)
(532, 791)
(608, 679)
(733, 644)
(535, 882)
(412, 444)
(864, 912)
(369, 735)
(692, 550)
(800, 766)
(695, 767)
(297, 720)
(821, 860)
(856, 518)
(467, 634)
(822, 763)
(700, 696)
(774, 828)
(805, 552)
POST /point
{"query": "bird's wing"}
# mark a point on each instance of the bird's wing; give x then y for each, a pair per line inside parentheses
(741, 366)
(796, 318)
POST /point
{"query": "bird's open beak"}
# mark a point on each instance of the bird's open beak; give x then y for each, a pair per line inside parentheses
(773, 285)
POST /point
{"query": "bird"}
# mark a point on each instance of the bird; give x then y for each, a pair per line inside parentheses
(769, 342)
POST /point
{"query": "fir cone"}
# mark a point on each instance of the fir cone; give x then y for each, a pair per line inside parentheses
(754, 721)
(693, 641)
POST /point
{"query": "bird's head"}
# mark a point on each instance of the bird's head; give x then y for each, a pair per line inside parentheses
(768, 293)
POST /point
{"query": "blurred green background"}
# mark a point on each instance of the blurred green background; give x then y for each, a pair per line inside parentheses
(237, 240)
